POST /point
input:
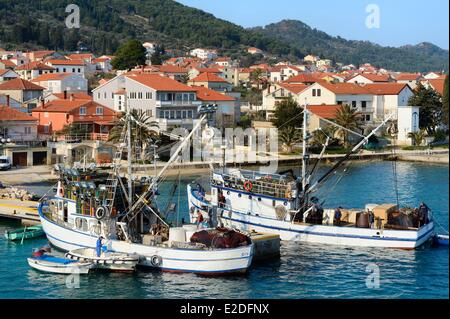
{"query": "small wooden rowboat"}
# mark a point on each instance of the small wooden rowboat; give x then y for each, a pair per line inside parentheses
(108, 260)
(56, 265)
(25, 233)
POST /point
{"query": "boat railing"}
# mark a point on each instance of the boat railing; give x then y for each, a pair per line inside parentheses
(263, 186)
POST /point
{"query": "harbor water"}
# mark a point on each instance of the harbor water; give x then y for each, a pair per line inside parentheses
(303, 270)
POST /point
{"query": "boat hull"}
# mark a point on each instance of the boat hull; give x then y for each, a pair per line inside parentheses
(34, 232)
(206, 262)
(321, 234)
(75, 268)
(124, 263)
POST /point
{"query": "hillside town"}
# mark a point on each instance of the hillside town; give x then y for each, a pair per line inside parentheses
(57, 107)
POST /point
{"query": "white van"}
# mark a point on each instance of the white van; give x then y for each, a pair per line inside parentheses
(5, 163)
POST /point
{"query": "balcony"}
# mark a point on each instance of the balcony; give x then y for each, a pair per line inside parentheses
(160, 103)
(72, 138)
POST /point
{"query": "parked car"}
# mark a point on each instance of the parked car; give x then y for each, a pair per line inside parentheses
(5, 163)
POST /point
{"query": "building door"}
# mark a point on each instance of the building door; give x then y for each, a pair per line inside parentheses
(39, 158)
(20, 159)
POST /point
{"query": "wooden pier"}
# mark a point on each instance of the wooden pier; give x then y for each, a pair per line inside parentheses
(15, 209)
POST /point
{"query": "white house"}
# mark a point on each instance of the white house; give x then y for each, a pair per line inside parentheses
(16, 125)
(60, 82)
(32, 70)
(204, 54)
(369, 78)
(275, 93)
(68, 66)
(164, 100)
(408, 122)
(7, 74)
(311, 58)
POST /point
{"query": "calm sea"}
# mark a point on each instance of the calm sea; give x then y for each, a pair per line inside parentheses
(303, 271)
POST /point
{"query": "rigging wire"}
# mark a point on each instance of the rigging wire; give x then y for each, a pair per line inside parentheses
(394, 172)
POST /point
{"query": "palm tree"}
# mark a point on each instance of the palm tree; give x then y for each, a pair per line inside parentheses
(289, 136)
(141, 135)
(418, 137)
(319, 137)
(348, 118)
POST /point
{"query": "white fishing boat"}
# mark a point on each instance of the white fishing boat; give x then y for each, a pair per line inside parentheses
(89, 204)
(108, 260)
(57, 265)
(284, 204)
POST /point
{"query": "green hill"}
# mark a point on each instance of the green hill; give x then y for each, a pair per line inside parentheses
(422, 57)
(39, 24)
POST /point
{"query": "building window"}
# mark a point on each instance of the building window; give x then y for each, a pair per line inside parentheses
(353, 103)
(319, 92)
(98, 95)
(27, 130)
(140, 95)
(367, 119)
(339, 102)
(82, 110)
(364, 104)
(73, 70)
(314, 92)
(99, 110)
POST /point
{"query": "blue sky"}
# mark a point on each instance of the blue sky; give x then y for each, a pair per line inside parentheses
(401, 21)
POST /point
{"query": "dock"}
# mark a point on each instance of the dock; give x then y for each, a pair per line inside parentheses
(267, 246)
(16, 209)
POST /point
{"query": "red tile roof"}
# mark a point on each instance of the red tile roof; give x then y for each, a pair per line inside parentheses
(40, 54)
(437, 85)
(159, 83)
(385, 88)
(8, 63)
(74, 95)
(345, 88)
(205, 94)
(61, 106)
(208, 77)
(209, 70)
(374, 77)
(20, 84)
(51, 77)
(66, 62)
(303, 78)
(407, 76)
(35, 65)
(168, 68)
(324, 111)
(294, 88)
(10, 114)
(80, 56)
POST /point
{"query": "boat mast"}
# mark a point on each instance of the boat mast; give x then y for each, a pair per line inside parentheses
(305, 150)
(129, 157)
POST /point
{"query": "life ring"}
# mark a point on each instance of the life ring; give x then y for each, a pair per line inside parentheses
(101, 212)
(61, 191)
(156, 260)
(248, 186)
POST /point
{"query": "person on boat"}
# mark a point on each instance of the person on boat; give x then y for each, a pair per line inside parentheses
(337, 216)
(423, 213)
(199, 218)
(98, 246)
